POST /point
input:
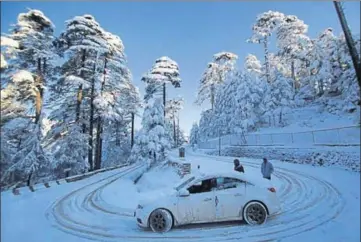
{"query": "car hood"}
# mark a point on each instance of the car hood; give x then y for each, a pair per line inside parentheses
(156, 195)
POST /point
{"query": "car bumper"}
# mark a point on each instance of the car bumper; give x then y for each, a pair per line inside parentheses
(274, 208)
(141, 217)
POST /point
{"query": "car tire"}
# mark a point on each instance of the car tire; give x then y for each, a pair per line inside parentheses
(160, 221)
(255, 213)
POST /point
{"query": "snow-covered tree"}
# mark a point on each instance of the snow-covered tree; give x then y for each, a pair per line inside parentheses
(164, 71)
(34, 50)
(84, 44)
(173, 106)
(293, 44)
(3, 64)
(180, 135)
(216, 74)
(207, 128)
(194, 135)
(29, 49)
(278, 98)
(263, 28)
(248, 98)
(253, 65)
(152, 144)
(226, 105)
(116, 99)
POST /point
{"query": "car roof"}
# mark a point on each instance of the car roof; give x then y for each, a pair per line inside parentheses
(253, 178)
(232, 173)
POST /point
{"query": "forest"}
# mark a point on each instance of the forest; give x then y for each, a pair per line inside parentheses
(69, 102)
(303, 71)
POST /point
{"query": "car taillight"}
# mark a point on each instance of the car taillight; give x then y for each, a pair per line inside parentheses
(271, 189)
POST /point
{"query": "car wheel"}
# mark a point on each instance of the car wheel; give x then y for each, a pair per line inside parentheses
(255, 213)
(160, 221)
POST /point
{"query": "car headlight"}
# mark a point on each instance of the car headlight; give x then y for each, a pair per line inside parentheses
(139, 207)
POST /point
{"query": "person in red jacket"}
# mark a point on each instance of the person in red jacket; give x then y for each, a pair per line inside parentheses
(238, 166)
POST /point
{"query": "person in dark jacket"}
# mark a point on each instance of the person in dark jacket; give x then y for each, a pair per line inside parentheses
(238, 166)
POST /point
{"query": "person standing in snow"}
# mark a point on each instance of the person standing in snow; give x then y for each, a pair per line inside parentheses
(238, 166)
(266, 169)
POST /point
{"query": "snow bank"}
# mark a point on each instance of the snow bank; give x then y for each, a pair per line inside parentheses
(159, 177)
(346, 158)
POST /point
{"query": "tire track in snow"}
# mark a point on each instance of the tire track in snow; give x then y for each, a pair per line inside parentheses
(303, 199)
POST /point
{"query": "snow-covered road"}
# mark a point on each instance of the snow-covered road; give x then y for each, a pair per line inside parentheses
(319, 204)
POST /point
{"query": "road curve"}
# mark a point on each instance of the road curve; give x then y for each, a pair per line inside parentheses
(86, 213)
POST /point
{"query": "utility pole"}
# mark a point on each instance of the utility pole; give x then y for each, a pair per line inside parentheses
(349, 40)
(219, 142)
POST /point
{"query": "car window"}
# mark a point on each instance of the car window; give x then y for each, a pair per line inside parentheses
(206, 185)
(228, 182)
(185, 183)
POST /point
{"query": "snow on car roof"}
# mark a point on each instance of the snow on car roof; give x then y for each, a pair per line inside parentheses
(256, 179)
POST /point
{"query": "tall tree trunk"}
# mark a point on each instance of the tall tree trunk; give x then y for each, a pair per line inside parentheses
(132, 132)
(39, 93)
(174, 131)
(28, 183)
(117, 140)
(91, 123)
(80, 89)
(293, 74)
(100, 147)
(83, 124)
(320, 82)
(266, 61)
(349, 40)
(212, 96)
(164, 97)
(178, 131)
(99, 140)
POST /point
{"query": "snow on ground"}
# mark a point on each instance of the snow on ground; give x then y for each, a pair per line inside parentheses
(24, 217)
(342, 157)
(303, 140)
(318, 205)
(155, 183)
(311, 118)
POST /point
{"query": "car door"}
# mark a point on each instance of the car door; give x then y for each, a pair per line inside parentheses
(229, 197)
(199, 206)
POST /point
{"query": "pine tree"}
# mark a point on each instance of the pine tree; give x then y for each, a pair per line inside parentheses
(30, 48)
(164, 71)
(253, 65)
(152, 144)
(173, 107)
(194, 134)
(278, 98)
(293, 42)
(216, 74)
(115, 99)
(263, 28)
(84, 44)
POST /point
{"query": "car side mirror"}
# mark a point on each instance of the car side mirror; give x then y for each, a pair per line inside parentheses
(183, 193)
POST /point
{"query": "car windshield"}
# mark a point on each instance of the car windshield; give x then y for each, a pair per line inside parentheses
(183, 184)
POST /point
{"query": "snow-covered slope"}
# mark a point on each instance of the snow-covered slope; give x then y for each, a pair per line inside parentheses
(318, 204)
(310, 118)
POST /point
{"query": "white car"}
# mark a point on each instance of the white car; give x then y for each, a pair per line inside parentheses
(208, 198)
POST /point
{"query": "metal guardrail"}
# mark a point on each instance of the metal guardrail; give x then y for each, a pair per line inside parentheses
(15, 188)
(341, 136)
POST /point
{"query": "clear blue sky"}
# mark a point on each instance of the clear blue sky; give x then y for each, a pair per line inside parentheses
(188, 32)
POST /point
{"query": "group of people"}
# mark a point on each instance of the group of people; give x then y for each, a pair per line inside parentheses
(266, 168)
